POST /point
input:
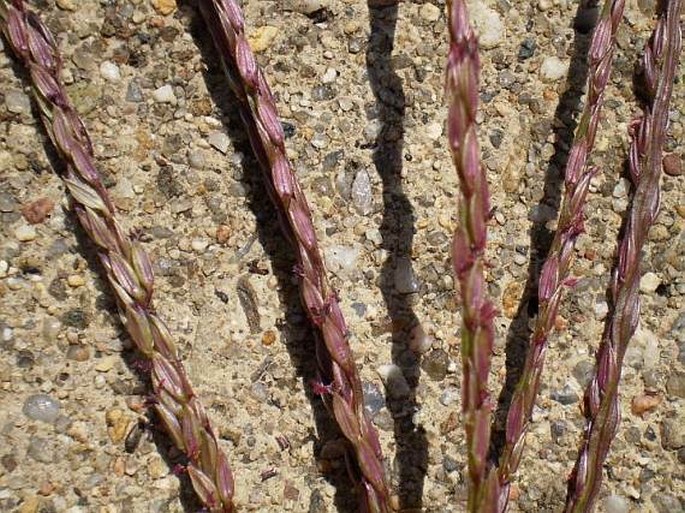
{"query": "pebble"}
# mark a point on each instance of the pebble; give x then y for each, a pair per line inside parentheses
(673, 432)
(66, 5)
(7, 202)
(553, 68)
(675, 386)
(25, 233)
(673, 165)
(164, 94)
(488, 24)
(435, 364)
(420, 342)
(393, 379)
(262, 38)
(644, 403)
(449, 396)
(220, 141)
(567, 395)
(110, 71)
(41, 407)
(649, 283)
(429, 12)
(374, 401)
(164, 7)
(434, 130)
(17, 102)
(405, 279)
(666, 503)
(329, 76)
(78, 353)
(37, 211)
(362, 199)
(199, 245)
(75, 280)
(117, 424)
(305, 7)
(616, 504)
(342, 258)
(134, 93)
(39, 449)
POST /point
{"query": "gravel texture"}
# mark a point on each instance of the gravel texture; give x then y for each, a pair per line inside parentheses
(365, 131)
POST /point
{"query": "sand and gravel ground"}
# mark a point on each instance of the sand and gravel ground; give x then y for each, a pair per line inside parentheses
(365, 132)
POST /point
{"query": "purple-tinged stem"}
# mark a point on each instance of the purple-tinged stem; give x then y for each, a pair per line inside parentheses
(259, 114)
(556, 269)
(648, 135)
(468, 247)
(127, 265)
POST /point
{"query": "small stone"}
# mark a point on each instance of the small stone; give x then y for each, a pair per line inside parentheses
(649, 283)
(164, 7)
(616, 504)
(449, 396)
(361, 193)
(435, 364)
(673, 432)
(567, 395)
(117, 424)
(40, 450)
(342, 258)
(419, 341)
(134, 93)
(673, 165)
(41, 407)
(156, 468)
(262, 38)
(66, 5)
(25, 233)
(7, 202)
(329, 76)
(644, 403)
(223, 233)
(268, 338)
(110, 71)
(78, 353)
(196, 159)
(37, 211)
(675, 386)
(220, 141)
(75, 281)
(488, 24)
(553, 68)
(405, 278)
(374, 401)
(105, 364)
(164, 94)
(429, 12)
(434, 130)
(395, 383)
(199, 245)
(666, 503)
(510, 298)
(17, 102)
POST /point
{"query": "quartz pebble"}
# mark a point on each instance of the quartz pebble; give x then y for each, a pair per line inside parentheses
(649, 283)
(164, 94)
(488, 24)
(553, 69)
(373, 398)
(616, 504)
(429, 12)
(41, 407)
(220, 141)
(361, 193)
(110, 71)
(25, 233)
(342, 258)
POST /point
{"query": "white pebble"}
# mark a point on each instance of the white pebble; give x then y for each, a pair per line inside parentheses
(342, 258)
(429, 12)
(616, 504)
(330, 76)
(396, 385)
(110, 71)
(199, 245)
(488, 24)
(41, 407)
(434, 131)
(25, 233)
(4, 268)
(164, 94)
(553, 68)
(361, 193)
(649, 283)
(220, 141)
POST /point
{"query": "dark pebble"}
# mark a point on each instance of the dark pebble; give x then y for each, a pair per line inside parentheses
(435, 364)
(317, 504)
(583, 372)
(58, 289)
(331, 160)
(374, 401)
(450, 464)
(25, 359)
(288, 129)
(565, 396)
(324, 92)
(75, 318)
(557, 430)
(496, 137)
(527, 49)
(134, 93)
(9, 462)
